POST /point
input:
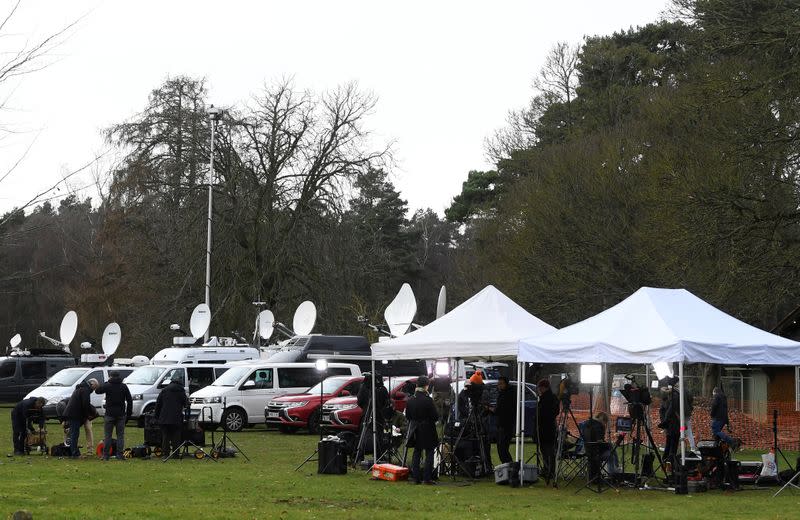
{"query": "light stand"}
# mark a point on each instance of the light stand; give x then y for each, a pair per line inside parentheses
(322, 368)
(593, 375)
(214, 114)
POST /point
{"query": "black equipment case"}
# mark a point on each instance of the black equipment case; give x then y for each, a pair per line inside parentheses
(332, 459)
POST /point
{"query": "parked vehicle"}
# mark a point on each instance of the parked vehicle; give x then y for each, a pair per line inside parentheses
(294, 411)
(146, 382)
(63, 383)
(195, 355)
(21, 374)
(344, 414)
(238, 398)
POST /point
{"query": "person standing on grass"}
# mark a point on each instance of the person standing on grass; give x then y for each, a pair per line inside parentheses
(22, 417)
(119, 406)
(547, 409)
(422, 416)
(79, 411)
(170, 406)
(505, 410)
(720, 419)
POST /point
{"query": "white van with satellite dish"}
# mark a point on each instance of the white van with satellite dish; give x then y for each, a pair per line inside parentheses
(238, 397)
(217, 350)
(146, 382)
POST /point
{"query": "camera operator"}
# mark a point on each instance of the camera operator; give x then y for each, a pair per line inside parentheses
(422, 416)
(547, 410)
(505, 410)
(169, 412)
(383, 406)
(22, 417)
(669, 418)
(443, 395)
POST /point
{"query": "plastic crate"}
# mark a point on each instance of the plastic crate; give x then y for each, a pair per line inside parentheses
(389, 472)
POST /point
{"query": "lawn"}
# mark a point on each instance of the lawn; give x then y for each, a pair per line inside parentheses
(269, 487)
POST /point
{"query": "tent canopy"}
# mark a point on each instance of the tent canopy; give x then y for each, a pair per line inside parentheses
(488, 325)
(661, 325)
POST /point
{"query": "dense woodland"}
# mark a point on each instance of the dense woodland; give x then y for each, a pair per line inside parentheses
(665, 155)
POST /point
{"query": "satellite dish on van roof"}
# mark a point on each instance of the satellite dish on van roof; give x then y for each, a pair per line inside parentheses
(304, 318)
(400, 313)
(15, 341)
(266, 324)
(112, 335)
(69, 326)
(441, 305)
(200, 320)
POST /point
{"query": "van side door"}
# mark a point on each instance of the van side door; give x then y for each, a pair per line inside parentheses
(256, 391)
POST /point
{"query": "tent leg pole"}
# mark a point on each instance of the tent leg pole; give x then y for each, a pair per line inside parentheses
(521, 433)
(516, 440)
(374, 417)
(683, 422)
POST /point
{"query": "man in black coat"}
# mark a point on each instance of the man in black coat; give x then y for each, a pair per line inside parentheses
(547, 410)
(422, 416)
(669, 420)
(78, 411)
(505, 410)
(170, 406)
(22, 417)
(119, 406)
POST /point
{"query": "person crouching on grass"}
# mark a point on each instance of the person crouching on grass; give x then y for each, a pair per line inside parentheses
(422, 416)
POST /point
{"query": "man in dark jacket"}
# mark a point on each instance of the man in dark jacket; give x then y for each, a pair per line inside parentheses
(119, 406)
(78, 411)
(170, 406)
(720, 419)
(422, 416)
(547, 410)
(505, 410)
(22, 417)
(669, 416)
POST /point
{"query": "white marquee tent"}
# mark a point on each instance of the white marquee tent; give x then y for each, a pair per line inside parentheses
(488, 325)
(661, 325)
(654, 325)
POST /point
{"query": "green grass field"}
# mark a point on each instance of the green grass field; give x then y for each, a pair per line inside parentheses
(269, 487)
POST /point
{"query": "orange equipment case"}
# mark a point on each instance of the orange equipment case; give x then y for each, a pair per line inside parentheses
(390, 472)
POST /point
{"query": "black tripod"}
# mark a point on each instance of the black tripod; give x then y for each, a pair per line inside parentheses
(638, 412)
(566, 412)
(221, 449)
(775, 440)
(469, 431)
(183, 447)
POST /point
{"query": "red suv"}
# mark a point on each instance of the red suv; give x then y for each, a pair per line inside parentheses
(292, 412)
(344, 414)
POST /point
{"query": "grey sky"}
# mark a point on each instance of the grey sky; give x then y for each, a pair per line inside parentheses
(445, 73)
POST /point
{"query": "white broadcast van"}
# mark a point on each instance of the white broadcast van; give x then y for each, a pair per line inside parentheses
(63, 383)
(240, 395)
(146, 382)
(205, 354)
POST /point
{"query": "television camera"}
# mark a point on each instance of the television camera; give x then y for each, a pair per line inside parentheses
(637, 396)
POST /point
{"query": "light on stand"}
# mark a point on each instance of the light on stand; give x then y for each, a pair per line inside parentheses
(662, 369)
(322, 366)
(591, 375)
(441, 368)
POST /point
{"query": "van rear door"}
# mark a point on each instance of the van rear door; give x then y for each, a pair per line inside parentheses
(8, 380)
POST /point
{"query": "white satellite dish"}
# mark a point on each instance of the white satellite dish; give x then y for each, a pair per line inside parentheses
(304, 318)
(111, 338)
(441, 305)
(400, 313)
(69, 326)
(266, 324)
(200, 321)
(15, 341)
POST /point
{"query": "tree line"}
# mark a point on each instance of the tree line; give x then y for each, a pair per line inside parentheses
(663, 155)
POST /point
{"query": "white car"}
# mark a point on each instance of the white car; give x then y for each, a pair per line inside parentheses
(63, 383)
(240, 395)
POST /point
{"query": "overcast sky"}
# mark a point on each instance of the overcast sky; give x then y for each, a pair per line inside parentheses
(445, 73)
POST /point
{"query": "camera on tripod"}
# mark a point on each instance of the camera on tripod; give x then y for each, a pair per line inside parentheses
(637, 396)
(567, 388)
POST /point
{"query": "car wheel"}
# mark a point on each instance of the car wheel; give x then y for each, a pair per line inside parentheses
(313, 423)
(234, 420)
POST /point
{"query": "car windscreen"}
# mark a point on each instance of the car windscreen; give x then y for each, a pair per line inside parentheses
(66, 377)
(145, 375)
(232, 376)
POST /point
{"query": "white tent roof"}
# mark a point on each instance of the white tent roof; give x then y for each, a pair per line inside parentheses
(661, 325)
(488, 325)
